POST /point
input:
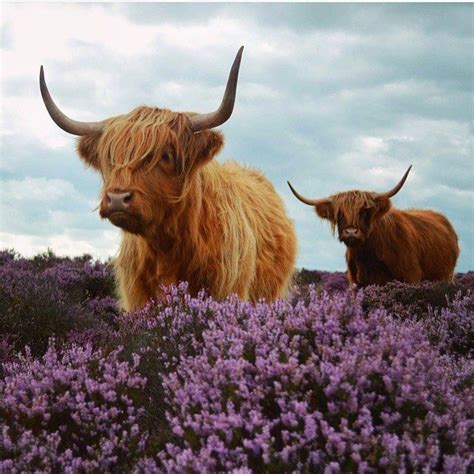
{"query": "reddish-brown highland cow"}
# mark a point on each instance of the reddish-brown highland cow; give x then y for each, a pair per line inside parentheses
(184, 216)
(384, 243)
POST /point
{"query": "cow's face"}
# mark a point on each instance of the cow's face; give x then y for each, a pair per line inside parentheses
(353, 213)
(147, 159)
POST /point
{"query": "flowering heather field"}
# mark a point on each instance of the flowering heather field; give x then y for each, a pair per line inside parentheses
(325, 381)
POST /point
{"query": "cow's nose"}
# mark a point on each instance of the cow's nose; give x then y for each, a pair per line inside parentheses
(351, 232)
(118, 202)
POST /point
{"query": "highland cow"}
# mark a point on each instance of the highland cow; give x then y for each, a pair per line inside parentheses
(184, 216)
(384, 243)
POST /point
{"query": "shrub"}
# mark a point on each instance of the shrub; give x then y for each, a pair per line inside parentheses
(82, 279)
(33, 309)
(68, 296)
(328, 281)
(327, 380)
(407, 300)
(452, 327)
(309, 386)
(161, 333)
(307, 277)
(6, 256)
(334, 281)
(446, 310)
(465, 280)
(7, 349)
(71, 412)
(46, 260)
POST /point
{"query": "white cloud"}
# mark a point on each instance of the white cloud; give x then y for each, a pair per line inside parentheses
(200, 38)
(40, 190)
(457, 195)
(49, 33)
(27, 117)
(102, 245)
(372, 145)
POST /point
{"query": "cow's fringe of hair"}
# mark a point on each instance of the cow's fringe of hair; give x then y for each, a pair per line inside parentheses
(350, 204)
(150, 138)
(154, 130)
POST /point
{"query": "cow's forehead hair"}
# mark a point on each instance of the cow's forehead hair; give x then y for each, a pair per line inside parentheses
(130, 138)
(350, 203)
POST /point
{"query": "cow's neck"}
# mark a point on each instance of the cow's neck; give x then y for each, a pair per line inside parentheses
(384, 235)
(371, 262)
(181, 238)
(380, 240)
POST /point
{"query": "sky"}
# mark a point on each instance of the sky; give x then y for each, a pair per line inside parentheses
(332, 97)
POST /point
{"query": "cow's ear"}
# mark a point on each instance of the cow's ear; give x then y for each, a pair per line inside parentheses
(325, 209)
(207, 144)
(382, 206)
(87, 148)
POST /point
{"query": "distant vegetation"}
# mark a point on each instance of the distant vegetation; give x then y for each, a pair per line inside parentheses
(377, 381)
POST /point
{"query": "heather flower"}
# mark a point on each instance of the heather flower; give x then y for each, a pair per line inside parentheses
(89, 279)
(7, 348)
(313, 386)
(465, 280)
(7, 256)
(66, 297)
(411, 300)
(32, 309)
(452, 327)
(307, 277)
(335, 281)
(71, 411)
(446, 311)
(326, 381)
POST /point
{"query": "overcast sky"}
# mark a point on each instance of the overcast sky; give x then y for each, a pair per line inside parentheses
(331, 97)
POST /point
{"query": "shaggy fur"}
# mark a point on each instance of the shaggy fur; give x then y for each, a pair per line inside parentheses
(408, 246)
(218, 226)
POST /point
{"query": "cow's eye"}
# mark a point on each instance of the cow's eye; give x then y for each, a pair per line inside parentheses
(167, 156)
(149, 158)
(366, 214)
(167, 161)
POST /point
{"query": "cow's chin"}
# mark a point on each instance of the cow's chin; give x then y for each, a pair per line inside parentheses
(353, 243)
(128, 222)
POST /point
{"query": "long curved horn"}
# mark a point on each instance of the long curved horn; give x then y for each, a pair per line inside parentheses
(63, 121)
(310, 202)
(214, 119)
(397, 188)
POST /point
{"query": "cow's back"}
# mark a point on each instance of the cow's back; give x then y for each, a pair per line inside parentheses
(266, 218)
(436, 245)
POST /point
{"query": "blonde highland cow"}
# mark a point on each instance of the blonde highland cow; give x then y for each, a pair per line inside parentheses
(184, 216)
